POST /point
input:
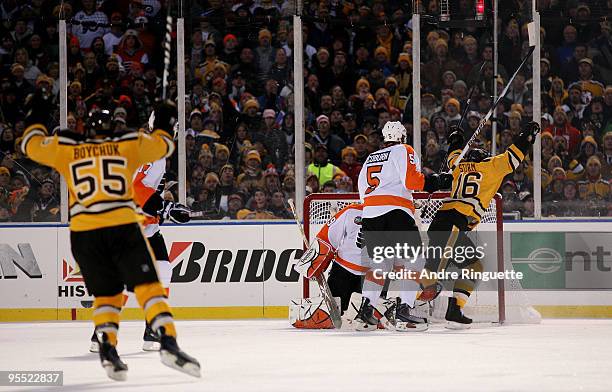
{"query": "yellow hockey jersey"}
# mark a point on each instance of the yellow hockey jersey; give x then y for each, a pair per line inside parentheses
(98, 172)
(475, 184)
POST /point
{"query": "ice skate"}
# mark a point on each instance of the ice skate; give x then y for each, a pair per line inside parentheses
(94, 346)
(150, 340)
(407, 322)
(455, 317)
(115, 368)
(172, 356)
(365, 320)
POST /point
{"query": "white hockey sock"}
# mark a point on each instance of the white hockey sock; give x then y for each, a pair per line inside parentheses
(410, 288)
(408, 291)
(372, 295)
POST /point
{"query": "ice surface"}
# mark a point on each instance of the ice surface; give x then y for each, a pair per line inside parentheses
(268, 355)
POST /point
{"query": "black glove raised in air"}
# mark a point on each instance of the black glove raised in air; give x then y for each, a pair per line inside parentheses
(527, 136)
(456, 138)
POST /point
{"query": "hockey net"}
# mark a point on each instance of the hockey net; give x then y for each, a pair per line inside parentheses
(496, 301)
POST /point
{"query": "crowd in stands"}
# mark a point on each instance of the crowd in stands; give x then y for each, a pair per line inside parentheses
(357, 76)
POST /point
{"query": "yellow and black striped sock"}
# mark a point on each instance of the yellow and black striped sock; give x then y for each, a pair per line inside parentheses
(464, 287)
(106, 316)
(152, 299)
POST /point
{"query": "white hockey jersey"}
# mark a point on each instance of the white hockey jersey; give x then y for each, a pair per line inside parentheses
(341, 233)
(387, 179)
(146, 181)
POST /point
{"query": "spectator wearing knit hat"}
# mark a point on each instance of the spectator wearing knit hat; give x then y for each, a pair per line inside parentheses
(350, 166)
(264, 54)
(235, 203)
(251, 177)
(322, 67)
(451, 111)
(272, 138)
(323, 136)
(433, 69)
(229, 54)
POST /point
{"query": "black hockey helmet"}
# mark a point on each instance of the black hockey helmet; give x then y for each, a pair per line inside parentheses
(100, 123)
(477, 155)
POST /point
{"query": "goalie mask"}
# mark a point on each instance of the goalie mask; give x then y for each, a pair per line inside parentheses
(315, 260)
(394, 132)
(477, 155)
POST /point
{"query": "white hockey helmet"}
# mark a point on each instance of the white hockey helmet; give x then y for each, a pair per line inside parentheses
(394, 131)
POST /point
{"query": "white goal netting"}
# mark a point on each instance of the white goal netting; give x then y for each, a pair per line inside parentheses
(490, 302)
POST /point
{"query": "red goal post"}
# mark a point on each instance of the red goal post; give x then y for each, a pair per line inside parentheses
(319, 207)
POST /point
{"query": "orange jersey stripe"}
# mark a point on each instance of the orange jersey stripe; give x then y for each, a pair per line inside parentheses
(384, 200)
(350, 265)
(142, 193)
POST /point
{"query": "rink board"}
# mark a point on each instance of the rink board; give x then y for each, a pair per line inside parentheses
(244, 270)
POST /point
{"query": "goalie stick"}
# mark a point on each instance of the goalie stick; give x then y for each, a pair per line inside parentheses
(334, 312)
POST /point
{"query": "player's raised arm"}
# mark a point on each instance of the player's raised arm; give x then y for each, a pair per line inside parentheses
(159, 144)
(38, 146)
(508, 161)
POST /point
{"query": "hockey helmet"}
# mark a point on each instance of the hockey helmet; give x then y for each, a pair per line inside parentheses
(477, 155)
(100, 123)
(394, 132)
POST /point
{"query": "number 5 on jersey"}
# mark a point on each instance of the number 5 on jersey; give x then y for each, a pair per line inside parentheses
(373, 181)
(89, 180)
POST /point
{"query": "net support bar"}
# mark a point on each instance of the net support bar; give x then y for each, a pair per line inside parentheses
(298, 82)
(63, 91)
(537, 116)
(416, 82)
(180, 71)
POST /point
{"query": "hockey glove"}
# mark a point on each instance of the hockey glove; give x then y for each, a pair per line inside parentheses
(177, 213)
(446, 181)
(435, 182)
(166, 116)
(456, 139)
(527, 136)
(315, 260)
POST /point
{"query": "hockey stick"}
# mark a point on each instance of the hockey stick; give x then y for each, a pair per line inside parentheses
(465, 111)
(469, 100)
(334, 312)
(490, 112)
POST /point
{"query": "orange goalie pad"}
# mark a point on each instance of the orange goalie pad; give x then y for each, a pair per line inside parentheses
(316, 259)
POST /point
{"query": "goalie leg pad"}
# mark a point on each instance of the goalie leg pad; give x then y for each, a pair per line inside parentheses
(310, 313)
